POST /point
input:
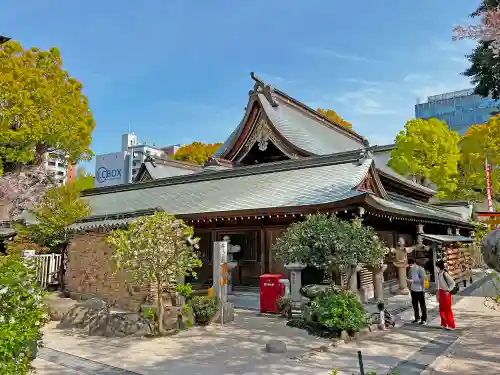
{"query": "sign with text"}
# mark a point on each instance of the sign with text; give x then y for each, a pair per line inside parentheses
(110, 169)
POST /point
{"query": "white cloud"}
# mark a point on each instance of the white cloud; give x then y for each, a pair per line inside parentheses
(365, 101)
(416, 77)
(365, 82)
(324, 52)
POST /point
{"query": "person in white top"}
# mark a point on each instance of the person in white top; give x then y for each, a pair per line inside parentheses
(445, 284)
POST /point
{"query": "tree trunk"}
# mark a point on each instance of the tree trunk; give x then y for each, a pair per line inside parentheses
(62, 269)
(351, 273)
(159, 315)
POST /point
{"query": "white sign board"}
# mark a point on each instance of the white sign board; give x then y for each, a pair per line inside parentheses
(28, 254)
(110, 169)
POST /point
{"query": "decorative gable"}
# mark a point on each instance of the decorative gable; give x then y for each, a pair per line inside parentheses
(372, 184)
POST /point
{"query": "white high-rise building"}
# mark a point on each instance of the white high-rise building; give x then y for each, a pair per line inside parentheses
(57, 163)
(122, 167)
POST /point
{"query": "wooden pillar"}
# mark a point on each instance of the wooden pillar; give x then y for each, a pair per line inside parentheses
(262, 242)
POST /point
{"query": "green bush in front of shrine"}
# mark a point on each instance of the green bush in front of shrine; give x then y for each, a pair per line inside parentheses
(205, 308)
(339, 310)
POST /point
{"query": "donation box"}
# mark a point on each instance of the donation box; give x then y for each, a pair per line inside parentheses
(270, 291)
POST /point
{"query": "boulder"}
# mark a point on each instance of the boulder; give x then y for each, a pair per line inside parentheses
(58, 306)
(82, 315)
(313, 291)
(121, 325)
(95, 304)
(490, 248)
(276, 346)
(97, 320)
(345, 336)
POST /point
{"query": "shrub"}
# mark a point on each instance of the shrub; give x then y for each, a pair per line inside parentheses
(204, 308)
(284, 304)
(22, 315)
(184, 290)
(150, 314)
(340, 310)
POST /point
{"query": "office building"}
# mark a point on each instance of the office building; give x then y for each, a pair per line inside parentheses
(121, 167)
(459, 109)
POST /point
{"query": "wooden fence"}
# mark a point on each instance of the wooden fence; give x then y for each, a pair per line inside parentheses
(48, 266)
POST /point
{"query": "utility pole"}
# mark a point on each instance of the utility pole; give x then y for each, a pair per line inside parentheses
(3, 39)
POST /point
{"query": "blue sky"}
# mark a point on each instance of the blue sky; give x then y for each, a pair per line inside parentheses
(176, 71)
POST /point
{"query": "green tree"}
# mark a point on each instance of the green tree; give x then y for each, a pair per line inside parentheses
(196, 152)
(427, 150)
(482, 142)
(57, 210)
(42, 111)
(83, 180)
(333, 116)
(43, 108)
(329, 243)
(22, 315)
(156, 250)
(485, 62)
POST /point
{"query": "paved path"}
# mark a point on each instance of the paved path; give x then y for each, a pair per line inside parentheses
(236, 349)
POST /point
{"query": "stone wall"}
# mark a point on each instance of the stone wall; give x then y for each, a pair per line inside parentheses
(90, 273)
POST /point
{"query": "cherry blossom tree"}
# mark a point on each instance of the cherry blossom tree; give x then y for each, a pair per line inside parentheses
(487, 31)
(21, 190)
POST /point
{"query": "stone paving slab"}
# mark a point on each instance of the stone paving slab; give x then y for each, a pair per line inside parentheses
(44, 367)
(82, 365)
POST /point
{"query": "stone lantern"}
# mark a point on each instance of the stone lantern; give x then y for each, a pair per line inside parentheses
(231, 263)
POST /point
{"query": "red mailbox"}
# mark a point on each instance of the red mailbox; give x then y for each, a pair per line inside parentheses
(270, 291)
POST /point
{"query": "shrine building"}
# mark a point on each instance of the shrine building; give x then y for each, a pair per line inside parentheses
(282, 162)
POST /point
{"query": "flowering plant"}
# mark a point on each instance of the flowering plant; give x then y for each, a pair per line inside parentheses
(22, 315)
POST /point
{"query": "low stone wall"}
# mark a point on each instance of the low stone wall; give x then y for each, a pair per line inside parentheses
(90, 273)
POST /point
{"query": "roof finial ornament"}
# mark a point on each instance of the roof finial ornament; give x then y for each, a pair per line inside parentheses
(261, 88)
(150, 158)
(363, 155)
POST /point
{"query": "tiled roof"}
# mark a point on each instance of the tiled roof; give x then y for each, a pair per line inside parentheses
(163, 171)
(306, 132)
(446, 239)
(107, 224)
(309, 182)
(412, 206)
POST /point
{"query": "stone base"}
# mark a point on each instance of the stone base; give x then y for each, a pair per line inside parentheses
(402, 292)
(366, 293)
(228, 310)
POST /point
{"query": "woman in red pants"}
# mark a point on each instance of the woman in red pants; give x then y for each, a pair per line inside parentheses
(445, 284)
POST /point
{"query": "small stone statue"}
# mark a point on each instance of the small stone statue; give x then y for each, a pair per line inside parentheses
(401, 252)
